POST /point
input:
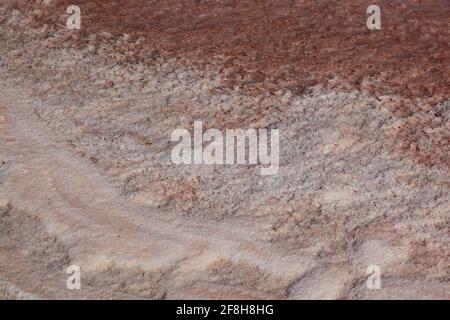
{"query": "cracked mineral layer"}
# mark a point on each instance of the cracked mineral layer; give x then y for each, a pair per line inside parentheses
(86, 176)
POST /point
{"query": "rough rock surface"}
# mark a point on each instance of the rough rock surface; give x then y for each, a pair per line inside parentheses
(86, 176)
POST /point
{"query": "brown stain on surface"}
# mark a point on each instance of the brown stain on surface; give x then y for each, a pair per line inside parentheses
(286, 44)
